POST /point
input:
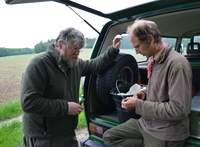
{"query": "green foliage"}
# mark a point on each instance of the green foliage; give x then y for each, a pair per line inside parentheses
(11, 135)
(81, 91)
(81, 120)
(90, 42)
(10, 110)
(40, 47)
(43, 46)
(10, 52)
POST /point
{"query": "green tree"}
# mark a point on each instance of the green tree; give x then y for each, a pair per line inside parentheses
(3, 52)
(16, 51)
(90, 42)
(40, 47)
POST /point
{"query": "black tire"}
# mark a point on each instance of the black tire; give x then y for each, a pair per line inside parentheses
(123, 68)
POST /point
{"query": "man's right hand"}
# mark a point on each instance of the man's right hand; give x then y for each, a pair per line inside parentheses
(74, 108)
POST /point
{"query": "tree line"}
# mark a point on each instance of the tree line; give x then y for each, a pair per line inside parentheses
(38, 48)
(43, 46)
(18, 51)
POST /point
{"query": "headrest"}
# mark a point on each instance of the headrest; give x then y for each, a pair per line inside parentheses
(193, 48)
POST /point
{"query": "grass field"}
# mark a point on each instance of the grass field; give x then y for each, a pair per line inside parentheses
(12, 68)
(11, 71)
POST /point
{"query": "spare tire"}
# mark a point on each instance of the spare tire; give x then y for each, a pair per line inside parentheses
(123, 68)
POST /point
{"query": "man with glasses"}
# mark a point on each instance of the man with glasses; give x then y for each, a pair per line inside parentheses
(49, 90)
(165, 104)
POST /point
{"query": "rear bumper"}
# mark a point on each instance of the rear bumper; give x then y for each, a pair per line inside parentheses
(86, 142)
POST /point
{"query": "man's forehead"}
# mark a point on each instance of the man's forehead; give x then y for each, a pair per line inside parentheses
(134, 39)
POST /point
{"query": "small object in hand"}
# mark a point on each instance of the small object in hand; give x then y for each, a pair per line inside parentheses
(124, 100)
(82, 100)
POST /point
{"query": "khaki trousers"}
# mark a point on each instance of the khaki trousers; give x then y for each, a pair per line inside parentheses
(131, 134)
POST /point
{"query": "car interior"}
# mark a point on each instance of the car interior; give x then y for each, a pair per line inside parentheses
(178, 25)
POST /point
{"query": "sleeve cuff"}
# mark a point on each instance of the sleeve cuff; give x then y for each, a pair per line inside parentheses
(68, 106)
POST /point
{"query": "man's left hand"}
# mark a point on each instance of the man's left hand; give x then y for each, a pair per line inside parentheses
(117, 41)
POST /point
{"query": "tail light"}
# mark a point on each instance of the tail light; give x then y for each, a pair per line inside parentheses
(97, 130)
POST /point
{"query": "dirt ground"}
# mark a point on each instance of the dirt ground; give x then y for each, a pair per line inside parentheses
(11, 69)
(81, 134)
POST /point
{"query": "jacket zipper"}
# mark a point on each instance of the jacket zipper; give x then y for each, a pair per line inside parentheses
(45, 128)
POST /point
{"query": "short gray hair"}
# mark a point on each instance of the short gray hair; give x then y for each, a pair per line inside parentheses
(72, 36)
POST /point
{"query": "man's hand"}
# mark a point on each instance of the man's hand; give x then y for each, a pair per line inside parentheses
(129, 103)
(116, 41)
(75, 108)
(141, 95)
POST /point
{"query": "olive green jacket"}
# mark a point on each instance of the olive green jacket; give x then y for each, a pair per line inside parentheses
(46, 89)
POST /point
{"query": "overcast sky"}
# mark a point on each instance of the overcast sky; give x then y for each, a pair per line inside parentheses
(25, 25)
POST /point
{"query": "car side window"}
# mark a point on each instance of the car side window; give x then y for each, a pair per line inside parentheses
(126, 47)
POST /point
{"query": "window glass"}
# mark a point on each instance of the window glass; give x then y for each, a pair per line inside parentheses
(171, 41)
(126, 47)
(197, 39)
(184, 44)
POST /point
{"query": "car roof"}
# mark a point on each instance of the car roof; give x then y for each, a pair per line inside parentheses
(124, 11)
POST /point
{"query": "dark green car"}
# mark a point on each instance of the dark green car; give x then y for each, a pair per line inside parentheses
(179, 23)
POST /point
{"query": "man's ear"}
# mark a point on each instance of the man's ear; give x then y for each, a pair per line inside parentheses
(59, 45)
(150, 39)
(60, 42)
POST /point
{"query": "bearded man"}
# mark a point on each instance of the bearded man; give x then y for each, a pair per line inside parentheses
(49, 90)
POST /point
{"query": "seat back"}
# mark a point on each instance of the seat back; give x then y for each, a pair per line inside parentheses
(193, 56)
(193, 49)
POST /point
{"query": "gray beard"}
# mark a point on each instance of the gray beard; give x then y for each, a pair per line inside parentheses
(69, 62)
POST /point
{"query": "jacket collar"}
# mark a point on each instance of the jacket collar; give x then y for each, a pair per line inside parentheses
(162, 55)
(52, 51)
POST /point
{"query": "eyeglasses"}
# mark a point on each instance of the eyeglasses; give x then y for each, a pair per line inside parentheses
(76, 50)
